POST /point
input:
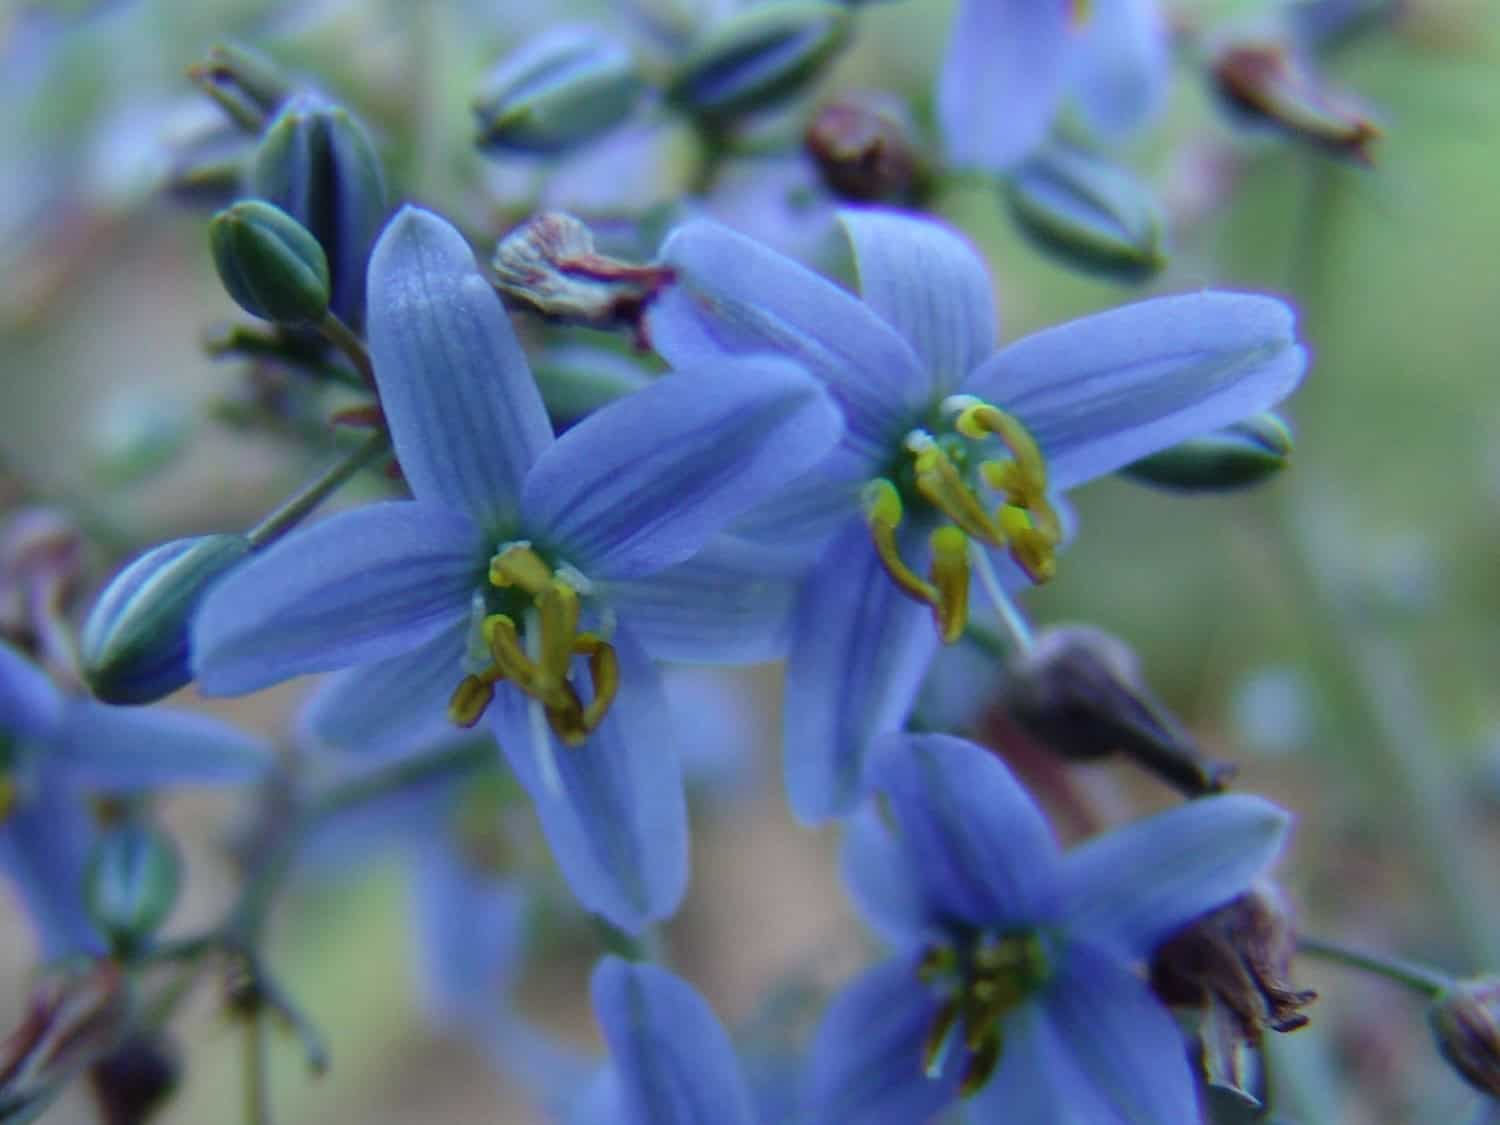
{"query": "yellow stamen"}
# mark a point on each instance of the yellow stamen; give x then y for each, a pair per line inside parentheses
(939, 482)
(950, 576)
(884, 513)
(469, 700)
(518, 565)
(604, 672)
(10, 794)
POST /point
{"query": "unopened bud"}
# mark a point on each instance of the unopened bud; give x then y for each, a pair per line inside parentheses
(1465, 1021)
(245, 83)
(270, 263)
(549, 263)
(863, 146)
(134, 647)
(758, 57)
(317, 164)
(560, 90)
(131, 882)
(1080, 692)
(1090, 212)
(1265, 84)
(1238, 456)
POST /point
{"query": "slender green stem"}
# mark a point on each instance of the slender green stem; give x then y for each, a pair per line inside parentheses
(1419, 978)
(300, 504)
(257, 1070)
(341, 336)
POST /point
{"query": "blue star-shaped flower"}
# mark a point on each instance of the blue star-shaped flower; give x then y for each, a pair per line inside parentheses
(939, 426)
(529, 573)
(1017, 974)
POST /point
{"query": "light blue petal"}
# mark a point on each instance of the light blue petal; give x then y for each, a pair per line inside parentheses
(551, 1071)
(1002, 79)
(1108, 389)
(367, 832)
(618, 824)
(927, 282)
(44, 845)
(859, 650)
(1095, 1049)
(725, 725)
(804, 516)
(962, 682)
(645, 482)
(866, 1064)
(879, 877)
(470, 937)
(391, 705)
(672, 1060)
(1133, 886)
(736, 297)
(730, 603)
(975, 839)
(465, 415)
(361, 586)
(1121, 66)
(130, 749)
(30, 706)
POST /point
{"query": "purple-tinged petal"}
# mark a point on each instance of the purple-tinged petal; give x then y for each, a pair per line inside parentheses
(975, 839)
(879, 877)
(1106, 390)
(867, 1055)
(465, 415)
(645, 482)
(1131, 887)
(671, 1057)
(1002, 79)
(44, 845)
(1096, 1048)
(734, 296)
(731, 603)
(1120, 69)
(929, 284)
(471, 932)
(859, 650)
(30, 706)
(618, 822)
(130, 749)
(361, 586)
(391, 705)
(802, 518)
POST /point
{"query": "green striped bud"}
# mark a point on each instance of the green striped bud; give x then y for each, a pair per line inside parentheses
(131, 883)
(271, 264)
(1239, 456)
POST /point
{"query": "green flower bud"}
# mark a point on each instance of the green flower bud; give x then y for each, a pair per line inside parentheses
(134, 647)
(1089, 212)
(317, 164)
(1238, 456)
(131, 882)
(758, 57)
(1465, 1021)
(560, 90)
(271, 265)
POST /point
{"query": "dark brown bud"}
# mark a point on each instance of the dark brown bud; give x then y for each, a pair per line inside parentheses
(136, 1080)
(862, 146)
(73, 1019)
(1233, 967)
(1080, 692)
(1465, 1021)
(1264, 83)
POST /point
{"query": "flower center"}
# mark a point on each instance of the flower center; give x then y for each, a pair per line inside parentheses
(943, 474)
(536, 653)
(982, 980)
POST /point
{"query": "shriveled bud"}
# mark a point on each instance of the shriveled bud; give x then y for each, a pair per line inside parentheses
(134, 647)
(1266, 84)
(131, 882)
(1238, 456)
(1465, 1021)
(1088, 211)
(41, 564)
(270, 263)
(73, 1018)
(1080, 692)
(560, 90)
(863, 146)
(758, 57)
(245, 83)
(135, 1080)
(549, 263)
(316, 163)
(1234, 966)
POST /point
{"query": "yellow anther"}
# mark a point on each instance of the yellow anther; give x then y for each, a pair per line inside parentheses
(508, 653)
(1031, 548)
(558, 611)
(950, 577)
(883, 513)
(940, 483)
(469, 700)
(982, 419)
(604, 672)
(518, 565)
(1080, 12)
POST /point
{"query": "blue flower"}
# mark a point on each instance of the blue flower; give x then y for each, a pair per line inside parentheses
(938, 427)
(1017, 975)
(57, 749)
(1011, 64)
(528, 576)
